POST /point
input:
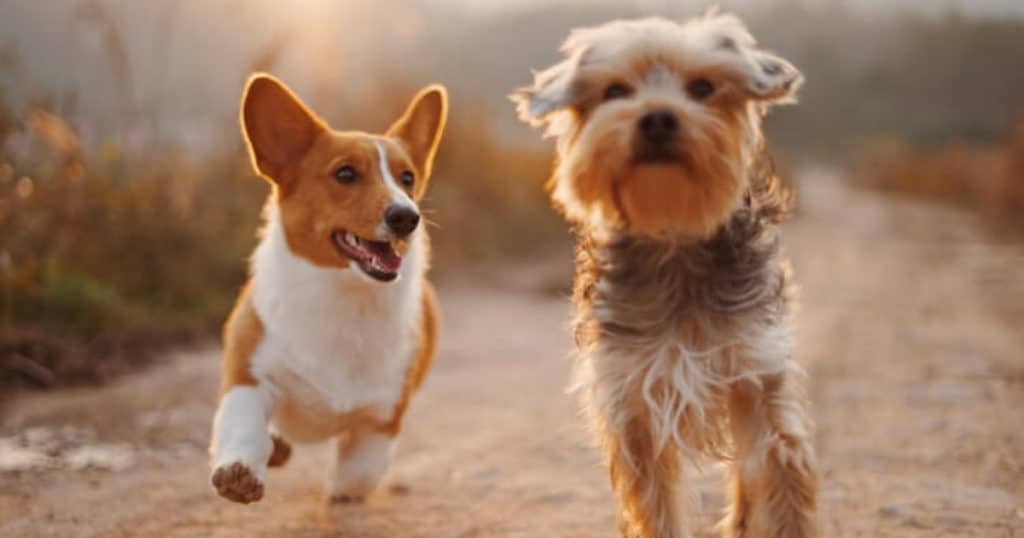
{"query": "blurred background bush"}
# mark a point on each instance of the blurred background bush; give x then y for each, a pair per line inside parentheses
(127, 206)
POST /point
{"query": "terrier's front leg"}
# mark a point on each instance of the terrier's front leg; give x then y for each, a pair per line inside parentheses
(774, 479)
(647, 481)
(358, 463)
(241, 445)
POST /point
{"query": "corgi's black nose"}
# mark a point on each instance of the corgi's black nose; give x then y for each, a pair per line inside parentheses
(401, 219)
(659, 126)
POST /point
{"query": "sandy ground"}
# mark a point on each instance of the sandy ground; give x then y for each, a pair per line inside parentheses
(917, 381)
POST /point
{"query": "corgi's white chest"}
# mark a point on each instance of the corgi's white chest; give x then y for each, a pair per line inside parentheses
(334, 338)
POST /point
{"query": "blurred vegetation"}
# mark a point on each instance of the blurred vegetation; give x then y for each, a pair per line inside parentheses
(925, 80)
(110, 246)
(100, 250)
(988, 179)
(106, 253)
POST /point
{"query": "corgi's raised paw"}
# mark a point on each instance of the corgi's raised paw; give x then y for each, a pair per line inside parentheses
(282, 452)
(237, 482)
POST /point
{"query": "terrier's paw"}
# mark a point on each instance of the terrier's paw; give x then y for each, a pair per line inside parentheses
(237, 482)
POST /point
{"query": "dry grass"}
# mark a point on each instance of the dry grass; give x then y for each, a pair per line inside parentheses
(985, 179)
(104, 253)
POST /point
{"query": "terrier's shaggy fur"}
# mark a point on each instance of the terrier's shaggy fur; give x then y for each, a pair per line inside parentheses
(682, 295)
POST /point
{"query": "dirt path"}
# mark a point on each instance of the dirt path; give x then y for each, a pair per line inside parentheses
(917, 380)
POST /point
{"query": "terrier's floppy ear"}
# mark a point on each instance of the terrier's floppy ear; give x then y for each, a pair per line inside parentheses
(765, 76)
(772, 79)
(278, 128)
(421, 125)
(550, 92)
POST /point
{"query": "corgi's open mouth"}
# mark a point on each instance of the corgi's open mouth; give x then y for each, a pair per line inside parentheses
(376, 258)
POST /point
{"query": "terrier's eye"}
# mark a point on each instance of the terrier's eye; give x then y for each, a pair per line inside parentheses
(616, 91)
(407, 178)
(700, 88)
(346, 174)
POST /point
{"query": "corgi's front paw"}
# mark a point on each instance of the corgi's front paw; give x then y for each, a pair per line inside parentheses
(237, 482)
(358, 466)
(352, 489)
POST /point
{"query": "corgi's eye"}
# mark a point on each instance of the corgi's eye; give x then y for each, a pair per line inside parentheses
(408, 178)
(616, 91)
(700, 89)
(346, 174)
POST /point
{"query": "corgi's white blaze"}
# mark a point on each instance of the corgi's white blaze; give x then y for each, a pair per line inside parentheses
(398, 195)
(240, 429)
(363, 466)
(333, 338)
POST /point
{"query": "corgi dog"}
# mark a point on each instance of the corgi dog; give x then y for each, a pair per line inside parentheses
(337, 326)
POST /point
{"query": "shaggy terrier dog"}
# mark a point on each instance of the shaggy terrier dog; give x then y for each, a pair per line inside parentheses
(682, 295)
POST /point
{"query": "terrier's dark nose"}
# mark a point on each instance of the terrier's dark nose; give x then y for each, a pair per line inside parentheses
(401, 219)
(659, 126)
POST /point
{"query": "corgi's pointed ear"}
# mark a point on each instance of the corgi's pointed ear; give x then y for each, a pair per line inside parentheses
(422, 124)
(278, 128)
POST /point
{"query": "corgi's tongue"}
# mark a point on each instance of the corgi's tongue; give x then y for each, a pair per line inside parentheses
(377, 259)
(382, 255)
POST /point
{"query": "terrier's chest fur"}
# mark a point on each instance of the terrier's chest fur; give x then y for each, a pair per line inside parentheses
(672, 324)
